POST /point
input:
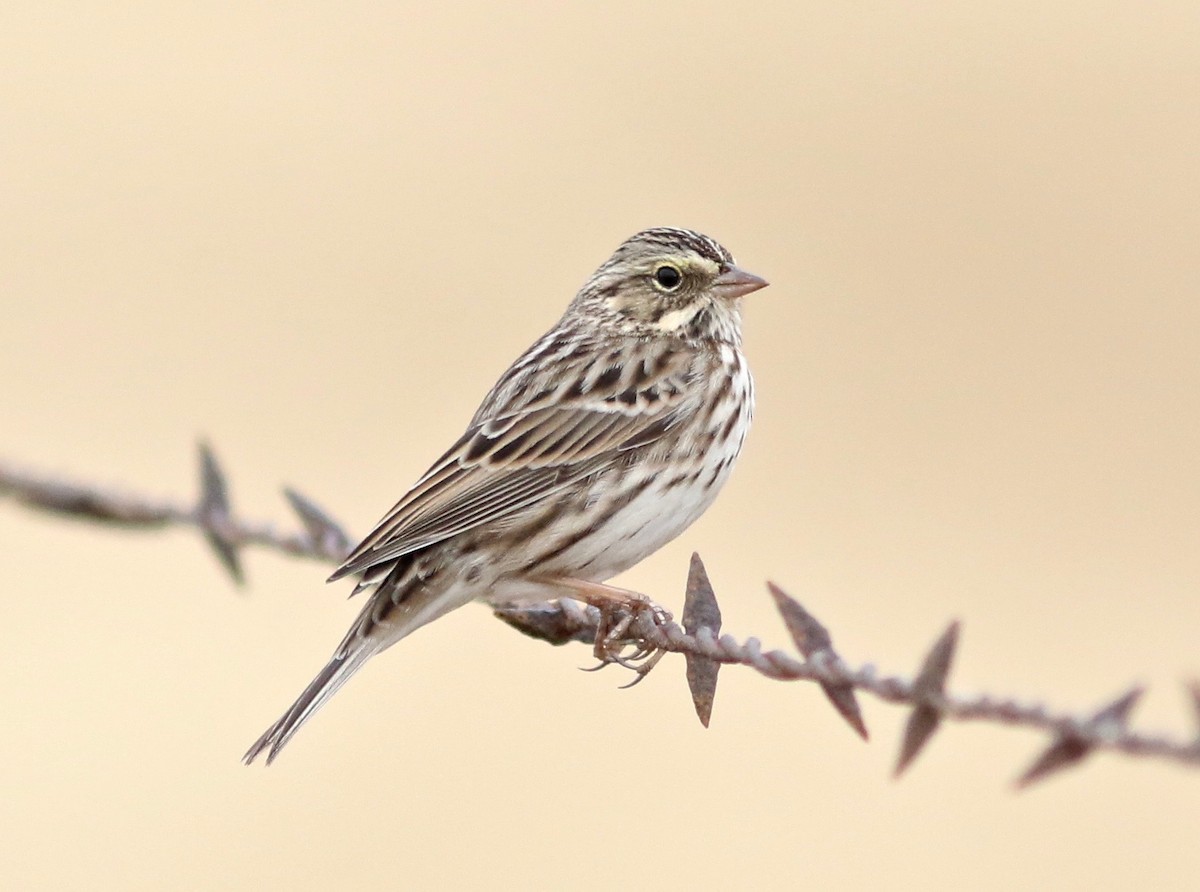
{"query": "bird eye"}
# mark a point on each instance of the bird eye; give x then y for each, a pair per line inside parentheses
(667, 277)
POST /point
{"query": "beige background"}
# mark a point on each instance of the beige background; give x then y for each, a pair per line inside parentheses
(316, 236)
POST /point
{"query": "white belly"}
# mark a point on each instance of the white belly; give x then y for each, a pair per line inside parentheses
(663, 510)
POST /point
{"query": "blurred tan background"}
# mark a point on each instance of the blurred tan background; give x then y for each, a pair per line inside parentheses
(316, 236)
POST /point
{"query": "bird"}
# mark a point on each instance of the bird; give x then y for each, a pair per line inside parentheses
(605, 440)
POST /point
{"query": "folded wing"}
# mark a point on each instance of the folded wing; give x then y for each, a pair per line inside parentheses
(531, 439)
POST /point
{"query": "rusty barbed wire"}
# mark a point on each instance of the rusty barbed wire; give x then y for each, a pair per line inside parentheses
(322, 538)
(648, 632)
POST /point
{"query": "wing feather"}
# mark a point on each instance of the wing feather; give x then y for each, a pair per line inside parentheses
(518, 451)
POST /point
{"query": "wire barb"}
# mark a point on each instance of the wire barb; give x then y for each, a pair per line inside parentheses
(928, 688)
(813, 640)
(1068, 748)
(326, 533)
(214, 512)
(700, 611)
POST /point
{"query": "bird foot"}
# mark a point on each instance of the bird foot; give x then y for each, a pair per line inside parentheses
(619, 608)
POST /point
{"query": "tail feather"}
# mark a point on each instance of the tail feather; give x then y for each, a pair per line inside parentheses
(327, 683)
(390, 614)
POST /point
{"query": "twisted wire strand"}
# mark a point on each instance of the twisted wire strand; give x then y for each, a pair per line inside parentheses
(648, 632)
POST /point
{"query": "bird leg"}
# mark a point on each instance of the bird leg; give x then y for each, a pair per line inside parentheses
(611, 598)
(618, 608)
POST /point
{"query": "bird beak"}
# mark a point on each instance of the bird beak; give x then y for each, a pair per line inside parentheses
(736, 282)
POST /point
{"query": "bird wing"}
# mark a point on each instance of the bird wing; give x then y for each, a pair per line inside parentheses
(521, 449)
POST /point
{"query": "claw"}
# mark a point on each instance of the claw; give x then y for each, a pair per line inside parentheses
(644, 670)
(626, 662)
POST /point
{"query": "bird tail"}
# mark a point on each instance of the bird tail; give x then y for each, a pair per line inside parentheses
(327, 683)
(392, 612)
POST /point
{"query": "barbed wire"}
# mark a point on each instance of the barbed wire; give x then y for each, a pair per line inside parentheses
(638, 636)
